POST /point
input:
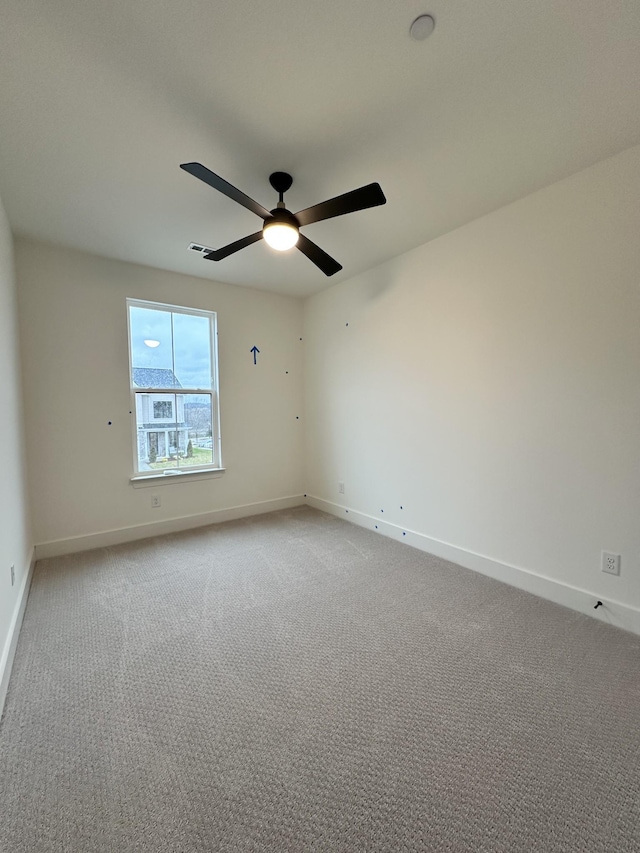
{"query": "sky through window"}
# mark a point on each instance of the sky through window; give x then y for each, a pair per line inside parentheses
(184, 344)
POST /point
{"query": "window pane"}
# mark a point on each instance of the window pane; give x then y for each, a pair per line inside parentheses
(151, 348)
(184, 440)
(162, 409)
(192, 350)
(198, 423)
(158, 432)
(172, 372)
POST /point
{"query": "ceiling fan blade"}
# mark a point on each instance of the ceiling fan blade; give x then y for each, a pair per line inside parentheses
(218, 183)
(318, 256)
(219, 254)
(369, 196)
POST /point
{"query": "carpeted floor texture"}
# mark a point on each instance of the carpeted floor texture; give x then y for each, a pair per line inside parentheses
(294, 683)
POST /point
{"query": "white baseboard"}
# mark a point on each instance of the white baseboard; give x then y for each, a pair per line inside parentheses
(11, 642)
(59, 547)
(613, 612)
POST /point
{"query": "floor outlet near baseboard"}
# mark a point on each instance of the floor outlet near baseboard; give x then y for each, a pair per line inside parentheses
(155, 501)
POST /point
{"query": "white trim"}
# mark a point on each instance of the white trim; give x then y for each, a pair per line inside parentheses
(11, 642)
(58, 547)
(175, 475)
(613, 612)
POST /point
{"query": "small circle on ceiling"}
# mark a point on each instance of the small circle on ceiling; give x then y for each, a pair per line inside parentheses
(422, 27)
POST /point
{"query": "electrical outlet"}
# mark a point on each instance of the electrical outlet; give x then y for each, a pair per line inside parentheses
(13, 575)
(155, 501)
(340, 487)
(610, 563)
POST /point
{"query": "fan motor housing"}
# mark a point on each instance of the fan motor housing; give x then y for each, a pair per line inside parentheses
(282, 216)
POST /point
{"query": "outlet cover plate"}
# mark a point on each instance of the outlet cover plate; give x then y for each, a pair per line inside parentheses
(610, 563)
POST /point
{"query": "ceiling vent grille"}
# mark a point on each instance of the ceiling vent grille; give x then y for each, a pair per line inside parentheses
(202, 250)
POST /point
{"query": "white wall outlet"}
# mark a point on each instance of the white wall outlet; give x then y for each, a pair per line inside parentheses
(340, 487)
(610, 563)
(155, 501)
(13, 575)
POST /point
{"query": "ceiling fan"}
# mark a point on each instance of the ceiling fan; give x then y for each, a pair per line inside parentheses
(281, 228)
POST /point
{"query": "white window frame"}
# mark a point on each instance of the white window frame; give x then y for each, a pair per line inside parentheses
(215, 467)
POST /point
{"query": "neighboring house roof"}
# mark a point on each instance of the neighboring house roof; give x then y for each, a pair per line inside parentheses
(154, 377)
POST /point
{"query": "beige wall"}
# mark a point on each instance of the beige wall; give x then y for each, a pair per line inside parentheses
(74, 330)
(15, 532)
(489, 383)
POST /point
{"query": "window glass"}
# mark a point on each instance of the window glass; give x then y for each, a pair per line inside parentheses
(173, 356)
(192, 351)
(162, 409)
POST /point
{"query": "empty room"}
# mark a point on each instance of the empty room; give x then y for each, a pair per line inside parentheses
(320, 379)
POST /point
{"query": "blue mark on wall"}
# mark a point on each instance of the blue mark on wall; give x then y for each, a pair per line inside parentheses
(255, 352)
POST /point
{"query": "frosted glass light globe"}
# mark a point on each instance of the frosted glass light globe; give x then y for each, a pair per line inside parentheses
(280, 236)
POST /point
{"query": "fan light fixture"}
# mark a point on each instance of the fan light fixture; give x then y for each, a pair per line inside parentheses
(280, 235)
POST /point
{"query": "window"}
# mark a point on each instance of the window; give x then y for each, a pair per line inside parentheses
(174, 394)
(163, 409)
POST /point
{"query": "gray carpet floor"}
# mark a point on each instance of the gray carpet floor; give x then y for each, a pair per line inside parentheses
(294, 683)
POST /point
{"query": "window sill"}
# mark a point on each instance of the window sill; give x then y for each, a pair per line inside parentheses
(142, 482)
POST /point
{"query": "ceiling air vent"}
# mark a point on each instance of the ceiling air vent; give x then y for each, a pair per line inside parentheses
(202, 250)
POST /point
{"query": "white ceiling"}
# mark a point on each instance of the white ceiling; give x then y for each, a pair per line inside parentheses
(101, 101)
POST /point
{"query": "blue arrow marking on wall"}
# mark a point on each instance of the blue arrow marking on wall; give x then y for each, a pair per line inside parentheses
(255, 352)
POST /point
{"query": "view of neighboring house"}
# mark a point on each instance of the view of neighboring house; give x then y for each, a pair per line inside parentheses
(160, 417)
